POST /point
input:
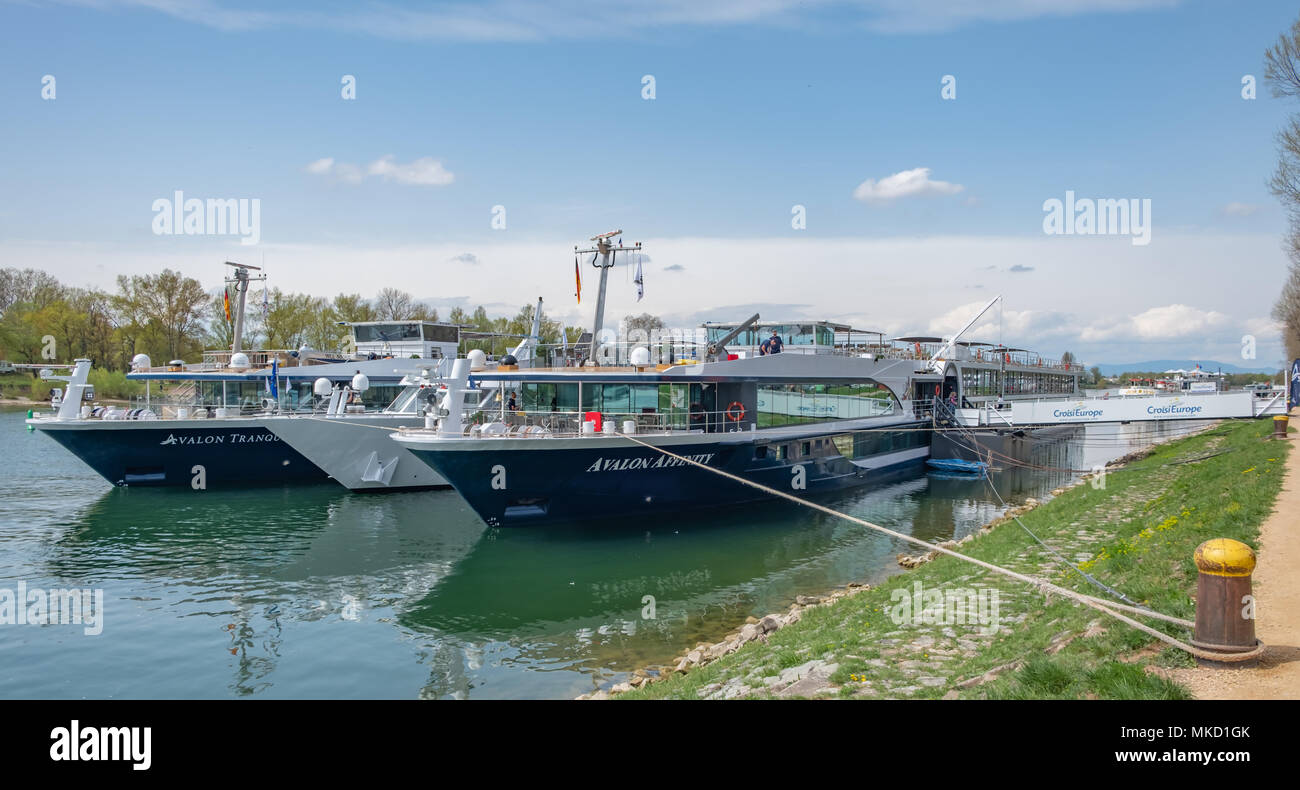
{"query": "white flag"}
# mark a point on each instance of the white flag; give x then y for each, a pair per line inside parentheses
(640, 283)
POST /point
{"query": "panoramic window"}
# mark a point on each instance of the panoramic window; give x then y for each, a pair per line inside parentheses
(795, 403)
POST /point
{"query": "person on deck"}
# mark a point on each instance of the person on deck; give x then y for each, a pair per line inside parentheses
(774, 343)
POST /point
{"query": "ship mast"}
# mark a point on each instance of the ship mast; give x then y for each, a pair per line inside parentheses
(606, 251)
(240, 280)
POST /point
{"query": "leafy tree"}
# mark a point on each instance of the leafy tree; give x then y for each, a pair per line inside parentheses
(163, 313)
(423, 312)
(20, 341)
(294, 320)
(352, 308)
(220, 332)
(27, 286)
(480, 321)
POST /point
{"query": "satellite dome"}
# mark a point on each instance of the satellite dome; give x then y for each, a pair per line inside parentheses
(640, 356)
(477, 359)
(322, 387)
(239, 361)
(140, 362)
(509, 359)
(360, 382)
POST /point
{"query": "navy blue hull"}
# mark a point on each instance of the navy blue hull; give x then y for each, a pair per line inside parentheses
(229, 455)
(535, 484)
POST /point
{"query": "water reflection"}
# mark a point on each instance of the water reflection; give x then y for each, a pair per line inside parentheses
(314, 591)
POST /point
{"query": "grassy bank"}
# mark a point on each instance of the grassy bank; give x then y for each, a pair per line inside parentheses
(1137, 534)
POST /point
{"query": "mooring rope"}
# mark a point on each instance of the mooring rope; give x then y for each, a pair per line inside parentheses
(1042, 585)
(1088, 577)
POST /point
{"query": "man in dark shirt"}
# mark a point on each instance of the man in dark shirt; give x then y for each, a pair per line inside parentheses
(774, 343)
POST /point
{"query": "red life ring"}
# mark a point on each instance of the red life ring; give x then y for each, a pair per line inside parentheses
(736, 411)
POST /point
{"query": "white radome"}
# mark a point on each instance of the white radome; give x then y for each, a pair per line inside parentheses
(322, 387)
(239, 361)
(141, 362)
(477, 359)
(360, 382)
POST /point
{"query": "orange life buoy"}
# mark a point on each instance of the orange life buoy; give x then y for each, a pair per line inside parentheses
(736, 411)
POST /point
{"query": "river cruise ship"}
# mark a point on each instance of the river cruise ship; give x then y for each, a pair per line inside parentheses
(205, 424)
(632, 439)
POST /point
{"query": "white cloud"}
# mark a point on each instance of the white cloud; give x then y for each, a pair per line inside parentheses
(1170, 322)
(932, 16)
(1015, 327)
(1262, 327)
(908, 183)
(425, 171)
(321, 166)
(509, 20)
(1240, 209)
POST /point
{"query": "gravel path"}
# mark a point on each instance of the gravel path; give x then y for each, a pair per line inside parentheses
(1277, 599)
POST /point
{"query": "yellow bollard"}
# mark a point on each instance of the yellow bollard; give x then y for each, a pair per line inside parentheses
(1225, 607)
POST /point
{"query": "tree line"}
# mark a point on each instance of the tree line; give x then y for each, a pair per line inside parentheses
(1282, 73)
(170, 316)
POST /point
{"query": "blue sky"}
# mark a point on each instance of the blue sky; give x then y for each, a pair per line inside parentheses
(758, 107)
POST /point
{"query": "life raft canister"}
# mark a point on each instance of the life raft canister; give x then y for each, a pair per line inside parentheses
(735, 411)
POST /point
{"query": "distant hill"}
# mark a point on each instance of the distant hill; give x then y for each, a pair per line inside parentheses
(1161, 365)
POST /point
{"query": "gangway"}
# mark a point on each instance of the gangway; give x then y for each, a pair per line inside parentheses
(1147, 408)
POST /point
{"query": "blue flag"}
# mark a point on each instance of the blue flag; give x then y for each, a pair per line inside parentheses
(273, 381)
